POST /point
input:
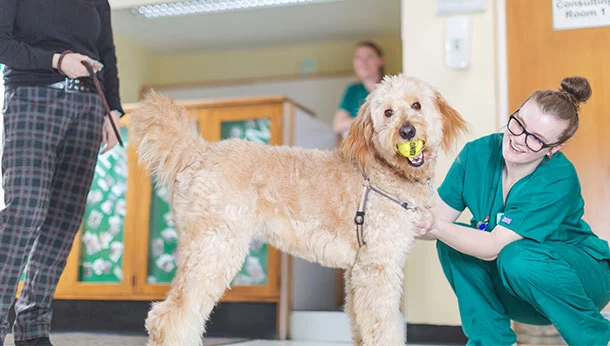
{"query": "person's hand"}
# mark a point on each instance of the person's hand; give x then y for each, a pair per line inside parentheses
(342, 122)
(425, 225)
(109, 139)
(72, 65)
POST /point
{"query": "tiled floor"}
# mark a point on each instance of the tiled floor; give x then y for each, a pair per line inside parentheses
(91, 339)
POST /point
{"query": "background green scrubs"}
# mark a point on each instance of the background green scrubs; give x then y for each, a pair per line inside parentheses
(559, 273)
(353, 98)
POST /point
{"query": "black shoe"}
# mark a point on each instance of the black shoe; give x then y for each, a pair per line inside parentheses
(44, 341)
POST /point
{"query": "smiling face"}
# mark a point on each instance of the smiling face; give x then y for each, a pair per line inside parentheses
(400, 110)
(545, 131)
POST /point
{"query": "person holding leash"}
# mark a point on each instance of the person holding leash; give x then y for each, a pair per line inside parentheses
(54, 123)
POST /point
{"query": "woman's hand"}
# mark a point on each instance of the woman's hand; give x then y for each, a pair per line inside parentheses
(425, 225)
(71, 65)
(342, 122)
(109, 139)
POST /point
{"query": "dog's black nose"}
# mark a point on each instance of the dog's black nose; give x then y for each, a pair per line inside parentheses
(407, 131)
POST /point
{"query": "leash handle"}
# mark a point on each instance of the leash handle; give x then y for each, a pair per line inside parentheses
(103, 97)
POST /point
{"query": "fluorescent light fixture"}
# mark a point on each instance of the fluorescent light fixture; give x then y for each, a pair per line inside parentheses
(181, 8)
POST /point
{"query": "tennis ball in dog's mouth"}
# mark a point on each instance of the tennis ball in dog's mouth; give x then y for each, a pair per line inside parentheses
(411, 149)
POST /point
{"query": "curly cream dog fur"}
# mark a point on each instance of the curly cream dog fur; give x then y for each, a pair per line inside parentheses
(301, 201)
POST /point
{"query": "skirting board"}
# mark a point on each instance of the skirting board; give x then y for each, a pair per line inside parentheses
(422, 334)
(230, 320)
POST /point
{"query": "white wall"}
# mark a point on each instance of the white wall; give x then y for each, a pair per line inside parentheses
(429, 298)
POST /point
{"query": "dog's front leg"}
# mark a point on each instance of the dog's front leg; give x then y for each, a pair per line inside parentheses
(349, 309)
(376, 292)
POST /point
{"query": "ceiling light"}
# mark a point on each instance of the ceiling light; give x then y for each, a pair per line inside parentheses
(180, 8)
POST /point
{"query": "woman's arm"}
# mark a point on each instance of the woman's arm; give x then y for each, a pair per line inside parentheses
(473, 242)
(22, 56)
(108, 57)
(439, 224)
(342, 121)
(16, 54)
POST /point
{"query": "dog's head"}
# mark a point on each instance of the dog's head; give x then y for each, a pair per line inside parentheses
(398, 110)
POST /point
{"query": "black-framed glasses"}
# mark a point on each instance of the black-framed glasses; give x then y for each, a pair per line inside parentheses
(532, 141)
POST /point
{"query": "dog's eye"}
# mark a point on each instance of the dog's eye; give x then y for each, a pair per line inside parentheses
(388, 113)
(416, 106)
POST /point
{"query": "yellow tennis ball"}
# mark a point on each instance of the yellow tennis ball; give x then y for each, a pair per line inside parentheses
(411, 149)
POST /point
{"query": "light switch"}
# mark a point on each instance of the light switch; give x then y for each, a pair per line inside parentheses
(457, 42)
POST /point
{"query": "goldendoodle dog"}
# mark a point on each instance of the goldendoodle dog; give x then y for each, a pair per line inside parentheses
(353, 208)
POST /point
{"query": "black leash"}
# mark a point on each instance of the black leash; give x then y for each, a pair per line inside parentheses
(103, 97)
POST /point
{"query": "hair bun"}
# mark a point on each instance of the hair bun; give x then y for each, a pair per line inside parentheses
(577, 87)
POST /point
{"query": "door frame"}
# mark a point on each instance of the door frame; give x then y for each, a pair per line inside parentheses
(501, 64)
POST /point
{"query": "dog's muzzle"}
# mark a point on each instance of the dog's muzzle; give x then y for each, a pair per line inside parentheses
(407, 131)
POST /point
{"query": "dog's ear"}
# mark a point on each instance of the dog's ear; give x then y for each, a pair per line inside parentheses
(454, 125)
(358, 143)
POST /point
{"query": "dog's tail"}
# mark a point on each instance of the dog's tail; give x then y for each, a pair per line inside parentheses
(164, 136)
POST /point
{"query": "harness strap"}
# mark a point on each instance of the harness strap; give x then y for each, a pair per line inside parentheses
(360, 213)
(359, 219)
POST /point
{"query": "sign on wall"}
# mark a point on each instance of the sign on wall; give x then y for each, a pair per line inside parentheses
(578, 14)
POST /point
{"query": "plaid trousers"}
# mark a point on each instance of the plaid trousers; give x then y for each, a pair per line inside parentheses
(51, 143)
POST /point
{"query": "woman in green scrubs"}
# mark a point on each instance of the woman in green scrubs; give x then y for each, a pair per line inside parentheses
(369, 65)
(527, 254)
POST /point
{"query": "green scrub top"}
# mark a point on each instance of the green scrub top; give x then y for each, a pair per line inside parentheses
(545, 206)
(353, 98)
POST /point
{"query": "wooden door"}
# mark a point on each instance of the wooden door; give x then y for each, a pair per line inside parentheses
(539, 57)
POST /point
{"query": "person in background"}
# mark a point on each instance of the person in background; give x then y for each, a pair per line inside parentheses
(54, 124)
(527, 254)
(369, 65)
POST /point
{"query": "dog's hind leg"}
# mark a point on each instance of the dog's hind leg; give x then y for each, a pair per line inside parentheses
(206, 266)
(349, 309)
(376, 298)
